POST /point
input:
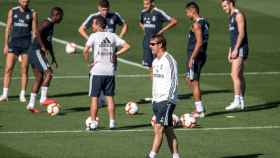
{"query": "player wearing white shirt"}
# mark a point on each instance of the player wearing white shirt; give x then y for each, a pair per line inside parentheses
(113, 19)
(164, 79)
(165, 82)
(106, 47)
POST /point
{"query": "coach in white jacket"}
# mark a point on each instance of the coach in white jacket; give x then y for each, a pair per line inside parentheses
(165, 81)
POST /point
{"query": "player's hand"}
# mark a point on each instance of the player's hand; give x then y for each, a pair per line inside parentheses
(190, 63)
(90, 65)
(234, 54)
(45, 51)
(55, 64)
(229, 58)
(5, 50)
(115, 58)
(160, 33)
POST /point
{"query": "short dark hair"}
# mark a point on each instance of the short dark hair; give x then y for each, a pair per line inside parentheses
(160, 39)
(152, 1)
(193, 5)
(56, 9)
(104, 3)
(230, 1)
(100, 21)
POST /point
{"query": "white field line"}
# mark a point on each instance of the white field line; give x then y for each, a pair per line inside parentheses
(81, 48)
(146, 75)
(140, 130)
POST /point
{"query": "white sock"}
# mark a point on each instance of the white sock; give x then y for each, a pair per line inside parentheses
(175, 155)
(152, 154)
(5, 92)
(112, 123)
(22, 93)
(237, 99)
(32, 100)
(241, 98)
(44, 91)
(198, 106)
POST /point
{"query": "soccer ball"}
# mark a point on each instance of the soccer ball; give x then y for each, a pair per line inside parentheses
(88, 122)
(53, 109)
(188, 121)
(175, 120)
(131, 108)
(70, 48)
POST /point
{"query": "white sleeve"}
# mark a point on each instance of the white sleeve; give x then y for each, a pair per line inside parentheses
(87, 23)
(119, 41)
(171, 70)
(90, 41)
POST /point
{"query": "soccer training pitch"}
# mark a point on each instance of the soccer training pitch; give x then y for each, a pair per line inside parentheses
(254, 133)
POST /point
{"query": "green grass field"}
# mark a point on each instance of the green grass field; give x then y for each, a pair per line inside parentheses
(254, 133)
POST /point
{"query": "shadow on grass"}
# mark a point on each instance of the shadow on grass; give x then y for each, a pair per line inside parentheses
(257, 107)
(141, 101)
(189, 95)
(71, 94)
(206, 92)
(133, 126)
(7, 152)
(83, 108)
(244, 156)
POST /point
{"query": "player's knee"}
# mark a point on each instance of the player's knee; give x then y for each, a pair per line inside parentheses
(158, 129)
(24, 69)
(39, 78)
(49, 75)
(234, 75)
(8, 70)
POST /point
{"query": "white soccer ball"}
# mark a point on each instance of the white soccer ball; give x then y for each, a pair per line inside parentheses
(188, 121)
(70, 48)
(175, 120)
(89, 121)
(131, 108)
(53, 109)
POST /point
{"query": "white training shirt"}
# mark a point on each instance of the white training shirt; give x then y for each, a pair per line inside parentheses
(104, 46)
(165, 79)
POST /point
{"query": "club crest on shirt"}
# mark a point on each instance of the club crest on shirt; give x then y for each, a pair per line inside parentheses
(27, 16)
(154, 18)
(111, 21)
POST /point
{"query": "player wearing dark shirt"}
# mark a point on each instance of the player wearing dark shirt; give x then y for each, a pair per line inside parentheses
(112, 19)
(238, 52)
(38, 52)
(20, 30)
(197, 54)
(152, 21)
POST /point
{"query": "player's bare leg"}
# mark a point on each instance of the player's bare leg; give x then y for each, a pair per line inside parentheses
(236, 69)
(111, 111)
(195, 87)
(158, 137)
(44, 100)
(8, 71)
(24, 76)
(243, 86)
(172, 141)
(93, 112)
(35, 89)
